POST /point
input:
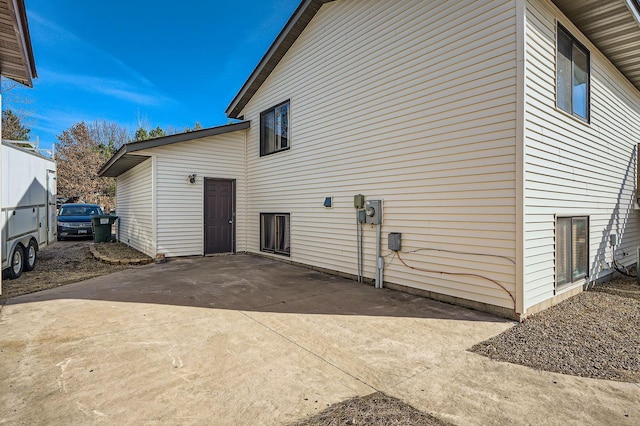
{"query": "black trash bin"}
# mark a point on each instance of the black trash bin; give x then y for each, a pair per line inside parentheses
(102, 227)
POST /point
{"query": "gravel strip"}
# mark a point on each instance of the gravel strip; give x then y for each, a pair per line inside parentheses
(594, 334)
(374, 409)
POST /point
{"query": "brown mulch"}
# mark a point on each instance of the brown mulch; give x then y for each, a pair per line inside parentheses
(594, 334)
(374, 409)
(67, 262)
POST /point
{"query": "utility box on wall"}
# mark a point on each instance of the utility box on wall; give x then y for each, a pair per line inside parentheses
(373, 210)
(394, 241)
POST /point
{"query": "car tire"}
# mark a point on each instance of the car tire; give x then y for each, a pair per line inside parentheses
(16, 265)
(30, 256)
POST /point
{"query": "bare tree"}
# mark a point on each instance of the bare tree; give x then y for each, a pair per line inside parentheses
(14, 99)
(12, 127)
(109, 135)
(79, 156)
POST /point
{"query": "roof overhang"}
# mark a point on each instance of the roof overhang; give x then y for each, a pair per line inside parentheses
(124, 159)
(16, 53)
(613, 26)
(289, 34)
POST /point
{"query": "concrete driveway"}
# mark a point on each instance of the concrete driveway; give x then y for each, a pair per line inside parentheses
(246, 340)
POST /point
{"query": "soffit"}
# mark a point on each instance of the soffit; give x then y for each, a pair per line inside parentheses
(613, 26)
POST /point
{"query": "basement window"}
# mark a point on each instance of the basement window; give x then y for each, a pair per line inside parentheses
(274, 129)
(275, 233)
(572, 249)
(572, 75)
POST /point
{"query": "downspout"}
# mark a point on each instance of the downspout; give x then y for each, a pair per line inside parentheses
(379, 259)
(521, 10)
(1, 248)
(246, 190)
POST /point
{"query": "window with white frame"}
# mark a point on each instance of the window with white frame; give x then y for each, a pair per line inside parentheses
(572, 75)
(274, 129)
(275, 233)
(572, 249)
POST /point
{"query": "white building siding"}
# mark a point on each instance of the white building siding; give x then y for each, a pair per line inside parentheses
(180, 204)
(412, 102)
(574, 168)
(134, 207)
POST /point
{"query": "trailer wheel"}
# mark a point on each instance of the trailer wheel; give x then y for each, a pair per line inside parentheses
(17, 262)
(30, 256)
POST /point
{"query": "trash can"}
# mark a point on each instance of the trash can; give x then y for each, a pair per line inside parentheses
(102, 227)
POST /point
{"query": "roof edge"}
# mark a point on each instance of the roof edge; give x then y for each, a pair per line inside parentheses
(24, 40)
(296, 24)
(171, 139)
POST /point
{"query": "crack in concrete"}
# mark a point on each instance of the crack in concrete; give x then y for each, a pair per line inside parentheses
(309, 351)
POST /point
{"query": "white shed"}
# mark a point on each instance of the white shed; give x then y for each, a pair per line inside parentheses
(184, 194)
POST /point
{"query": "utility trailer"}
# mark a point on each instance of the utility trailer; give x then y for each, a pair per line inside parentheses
(28, 207)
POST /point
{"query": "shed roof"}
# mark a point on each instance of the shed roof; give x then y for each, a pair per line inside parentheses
(16, 54)
(613, 26)
(124, 160)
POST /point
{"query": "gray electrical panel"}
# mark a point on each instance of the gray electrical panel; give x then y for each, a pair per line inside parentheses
(373, 211)
(395, 241)
(358, 201)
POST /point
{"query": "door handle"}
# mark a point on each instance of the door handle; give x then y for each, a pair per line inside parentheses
(230, 221)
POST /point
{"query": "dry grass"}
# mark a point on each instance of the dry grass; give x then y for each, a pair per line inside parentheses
(66, 262)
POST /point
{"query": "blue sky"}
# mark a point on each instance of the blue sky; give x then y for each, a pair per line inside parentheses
(168, 64)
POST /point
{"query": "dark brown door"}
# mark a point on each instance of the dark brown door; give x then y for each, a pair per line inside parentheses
(219, 206)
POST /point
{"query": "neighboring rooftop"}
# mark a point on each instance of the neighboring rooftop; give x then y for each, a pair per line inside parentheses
(16, 53)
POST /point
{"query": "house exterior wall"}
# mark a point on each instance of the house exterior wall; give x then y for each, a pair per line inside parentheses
(575, 168)
(180, 204)
(134, 201)
(411, 102)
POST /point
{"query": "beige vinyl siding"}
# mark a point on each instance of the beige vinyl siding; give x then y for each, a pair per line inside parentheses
(134, 207)
(180, 204)
(571, 167)
(412, 102)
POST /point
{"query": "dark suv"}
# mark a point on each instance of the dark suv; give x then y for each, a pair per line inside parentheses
(75, 219)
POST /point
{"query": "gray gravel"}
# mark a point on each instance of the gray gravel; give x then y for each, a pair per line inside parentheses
(594, 334)
(375, 409)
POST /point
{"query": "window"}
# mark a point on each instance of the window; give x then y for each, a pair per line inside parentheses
(572, 249)
(274, 232)
(274, 129)
(572, 75)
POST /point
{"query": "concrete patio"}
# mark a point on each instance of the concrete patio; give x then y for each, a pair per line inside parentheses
(247, 340)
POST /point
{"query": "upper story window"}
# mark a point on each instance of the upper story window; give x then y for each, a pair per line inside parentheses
(572, 75)
(274, 129)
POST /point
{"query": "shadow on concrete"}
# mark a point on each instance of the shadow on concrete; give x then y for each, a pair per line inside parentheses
(252, 283)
